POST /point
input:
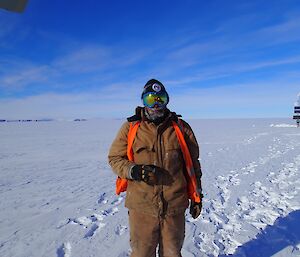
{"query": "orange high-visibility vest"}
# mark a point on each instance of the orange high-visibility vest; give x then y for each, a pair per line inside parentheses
(193, 190)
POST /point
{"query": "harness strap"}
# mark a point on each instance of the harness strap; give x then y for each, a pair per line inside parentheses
(121, 183)
(131, 136)
(191, 176)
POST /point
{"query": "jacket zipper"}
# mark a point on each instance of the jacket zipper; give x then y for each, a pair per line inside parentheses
(161, 164)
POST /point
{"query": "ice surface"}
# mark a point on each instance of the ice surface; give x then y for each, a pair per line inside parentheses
(58, 197)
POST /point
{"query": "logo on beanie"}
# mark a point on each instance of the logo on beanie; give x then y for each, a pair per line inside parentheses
(156, 87)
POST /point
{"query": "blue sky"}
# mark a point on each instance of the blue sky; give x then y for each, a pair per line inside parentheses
(217, 59)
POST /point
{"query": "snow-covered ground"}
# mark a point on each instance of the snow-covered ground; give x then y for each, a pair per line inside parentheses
(57, 191)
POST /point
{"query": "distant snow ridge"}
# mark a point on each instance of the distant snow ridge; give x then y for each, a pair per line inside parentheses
(283, 126)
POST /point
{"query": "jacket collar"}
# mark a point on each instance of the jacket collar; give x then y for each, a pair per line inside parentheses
(140, 115)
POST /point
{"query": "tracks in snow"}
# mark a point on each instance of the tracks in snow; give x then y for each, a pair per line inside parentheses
(234, 209)
(246, 199)
(92, 224)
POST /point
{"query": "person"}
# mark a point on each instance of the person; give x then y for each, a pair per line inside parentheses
(155, 156)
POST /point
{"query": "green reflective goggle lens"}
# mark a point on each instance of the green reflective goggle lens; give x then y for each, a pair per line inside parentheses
(150, 99)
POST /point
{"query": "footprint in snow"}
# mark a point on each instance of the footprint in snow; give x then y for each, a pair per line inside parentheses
(102, 199)
(250, 168)
(64, 250)
(83, 221)
(110, 211)
(93, 222)
(92, 231)
(120, 230)
(117, 201)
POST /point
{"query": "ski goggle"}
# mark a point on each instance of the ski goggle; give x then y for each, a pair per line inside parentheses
(150, 99)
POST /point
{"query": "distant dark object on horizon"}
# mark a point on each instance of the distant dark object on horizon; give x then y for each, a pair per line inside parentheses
(24, 120)
(32, 120)
(13, 120)
(80, 120)
(43, 120)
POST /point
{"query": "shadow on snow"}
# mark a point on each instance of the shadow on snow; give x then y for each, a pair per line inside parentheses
(285, 232)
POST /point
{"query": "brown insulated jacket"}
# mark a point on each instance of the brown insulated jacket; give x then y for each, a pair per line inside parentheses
(156, 145)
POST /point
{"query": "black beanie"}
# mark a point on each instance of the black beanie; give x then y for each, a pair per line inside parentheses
(154, 85)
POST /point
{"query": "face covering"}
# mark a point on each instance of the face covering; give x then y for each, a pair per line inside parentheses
(156, 115)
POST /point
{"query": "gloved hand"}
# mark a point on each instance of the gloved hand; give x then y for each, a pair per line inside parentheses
(146, 173)
(195, 209)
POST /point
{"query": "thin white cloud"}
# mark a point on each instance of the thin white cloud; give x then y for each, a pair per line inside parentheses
(88, 66)
(97, 63)
(232, 41)
(267, 99)
(26, 76)
(8, 23)
(231, 69)
(12, 30)
(101, 63)
(85, 59)
(115, 100)
(267, 63)
(285, 32)
(61, 106)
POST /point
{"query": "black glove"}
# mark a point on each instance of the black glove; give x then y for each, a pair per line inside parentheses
(195, 209)
(146, 173)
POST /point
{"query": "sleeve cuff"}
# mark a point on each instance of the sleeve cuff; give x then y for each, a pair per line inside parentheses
(129, 172)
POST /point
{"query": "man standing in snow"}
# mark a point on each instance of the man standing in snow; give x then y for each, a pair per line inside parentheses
(155, 155)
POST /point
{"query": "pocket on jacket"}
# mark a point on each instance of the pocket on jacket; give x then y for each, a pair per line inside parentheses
(173, 160)
(143, 154)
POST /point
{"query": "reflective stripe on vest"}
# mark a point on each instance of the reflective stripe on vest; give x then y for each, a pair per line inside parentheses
(193, 192)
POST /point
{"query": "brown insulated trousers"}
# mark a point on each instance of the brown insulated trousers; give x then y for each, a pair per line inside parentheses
(146, 232)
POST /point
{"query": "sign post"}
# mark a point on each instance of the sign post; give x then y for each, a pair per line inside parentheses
(297, 115)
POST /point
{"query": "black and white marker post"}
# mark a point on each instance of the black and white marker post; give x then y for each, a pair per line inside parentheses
(297, 115)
